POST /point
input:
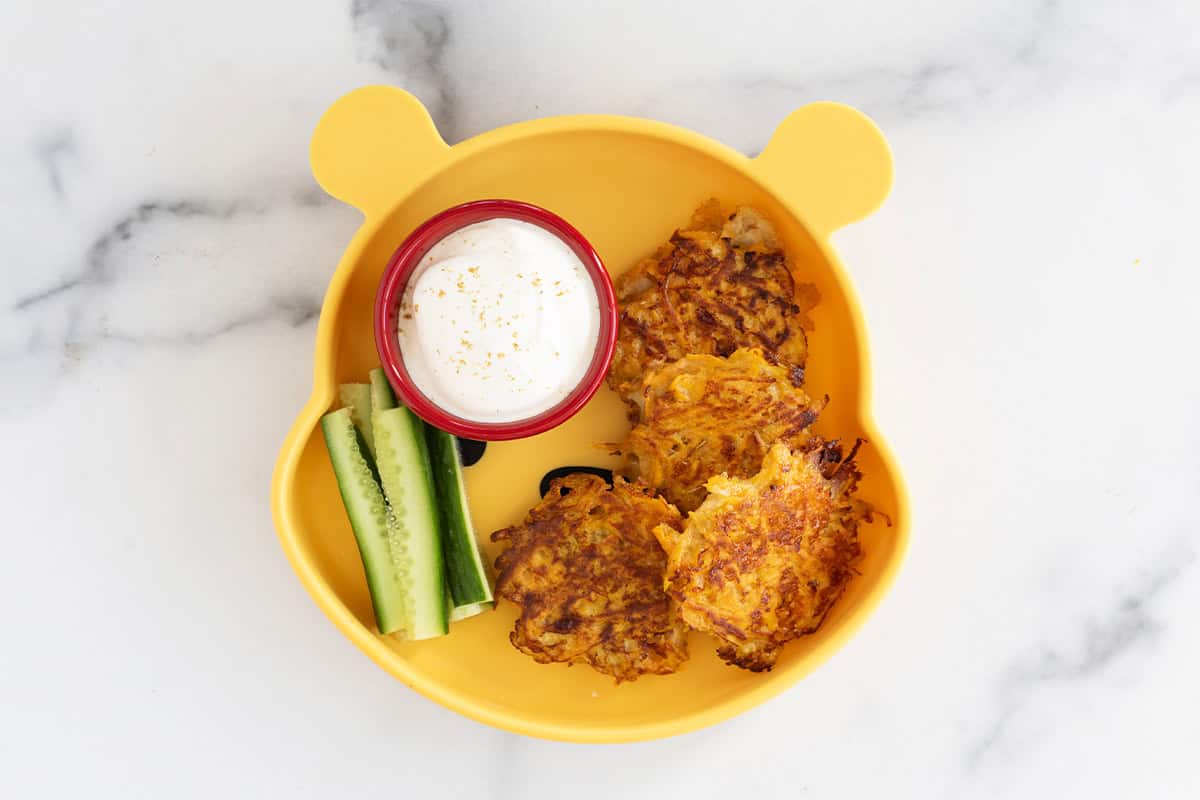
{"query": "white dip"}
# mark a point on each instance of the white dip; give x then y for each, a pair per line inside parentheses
(499, 321)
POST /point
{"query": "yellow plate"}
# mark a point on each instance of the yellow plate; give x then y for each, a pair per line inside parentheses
(626, 184)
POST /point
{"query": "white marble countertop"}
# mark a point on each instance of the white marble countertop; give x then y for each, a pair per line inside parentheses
(1031, 290)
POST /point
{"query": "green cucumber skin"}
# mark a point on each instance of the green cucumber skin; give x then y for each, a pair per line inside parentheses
(357, 398)
(465, 572)
(403, 461)
(365, 506)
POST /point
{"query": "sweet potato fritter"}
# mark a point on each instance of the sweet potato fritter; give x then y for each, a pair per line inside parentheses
(763, 559)
(586, 570)
(721, 284)
(703, 415)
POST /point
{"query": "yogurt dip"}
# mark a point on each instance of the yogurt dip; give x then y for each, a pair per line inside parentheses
(499, 322)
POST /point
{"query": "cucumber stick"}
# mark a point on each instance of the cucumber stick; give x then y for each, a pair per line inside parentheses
(370, 519)
(382, 397)
(462, 612)
(465, 573)
(402, 457)
(408, 510)
(357, 398)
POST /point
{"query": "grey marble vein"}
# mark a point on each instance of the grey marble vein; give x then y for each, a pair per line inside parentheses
(891, 95)
(51, 152)
(1021, 64)
(311, 197)
(1128, 624)
(1033, 50)
(409, 40)
(295, 311)
(97, 265)
(884, 91)
(76, 312)
(48, 293)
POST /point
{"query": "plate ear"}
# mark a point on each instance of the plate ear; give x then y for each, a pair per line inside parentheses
(373, 145)
(831, 162)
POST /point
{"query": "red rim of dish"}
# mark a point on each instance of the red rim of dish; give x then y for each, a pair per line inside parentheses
(391, 290)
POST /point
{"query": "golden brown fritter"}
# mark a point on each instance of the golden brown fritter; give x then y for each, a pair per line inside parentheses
(586, 570)
(763, 559)
(704, 415)
(721, 284)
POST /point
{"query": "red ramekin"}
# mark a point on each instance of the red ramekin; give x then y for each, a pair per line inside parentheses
(391, 292)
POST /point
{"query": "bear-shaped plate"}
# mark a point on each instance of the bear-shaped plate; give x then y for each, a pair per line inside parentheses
(626, 184)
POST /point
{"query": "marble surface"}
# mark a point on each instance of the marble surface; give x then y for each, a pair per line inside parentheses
(1031, 291)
